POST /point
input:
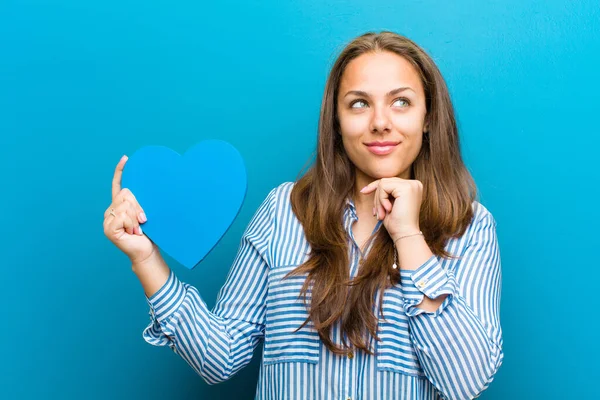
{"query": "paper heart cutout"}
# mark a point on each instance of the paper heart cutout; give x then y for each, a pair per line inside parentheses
(190, 201)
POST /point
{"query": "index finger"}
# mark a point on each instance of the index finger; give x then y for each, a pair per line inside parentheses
(116, 182)
(370, 187)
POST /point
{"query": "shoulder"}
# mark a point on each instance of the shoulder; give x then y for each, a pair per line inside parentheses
(482, 215)
(276, 201)
(483, 223)
(272, 208)
(480, 230)
(280, 194)
(284, 189)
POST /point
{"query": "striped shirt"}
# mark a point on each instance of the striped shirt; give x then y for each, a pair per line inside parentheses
(450, 353)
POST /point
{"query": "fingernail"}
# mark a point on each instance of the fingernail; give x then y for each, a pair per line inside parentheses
(141, 232)
(143, 217)
(373, 211)
(361, 190)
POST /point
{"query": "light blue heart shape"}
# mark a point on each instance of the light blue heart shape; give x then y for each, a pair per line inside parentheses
(191, 200)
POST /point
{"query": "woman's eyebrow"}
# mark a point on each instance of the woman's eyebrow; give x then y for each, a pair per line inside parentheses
(390, 93)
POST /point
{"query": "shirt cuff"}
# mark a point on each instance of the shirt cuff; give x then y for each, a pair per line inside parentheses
(167, 299)
(430, 280)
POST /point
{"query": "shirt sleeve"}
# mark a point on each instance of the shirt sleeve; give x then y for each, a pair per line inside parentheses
(218, 343)
(459, 345)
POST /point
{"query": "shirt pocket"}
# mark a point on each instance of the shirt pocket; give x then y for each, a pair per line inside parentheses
(395, 351)
(285, 312)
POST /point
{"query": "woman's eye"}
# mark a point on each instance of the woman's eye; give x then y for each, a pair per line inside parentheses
(401, 102)
(361, 102)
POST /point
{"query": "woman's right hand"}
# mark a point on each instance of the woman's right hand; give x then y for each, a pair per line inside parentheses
(123, 219)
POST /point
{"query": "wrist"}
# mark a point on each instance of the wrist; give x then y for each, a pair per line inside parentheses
(152, 272)
(408, 232)
(144, 263)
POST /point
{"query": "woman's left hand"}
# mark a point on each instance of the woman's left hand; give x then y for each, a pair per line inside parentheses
(398, 202)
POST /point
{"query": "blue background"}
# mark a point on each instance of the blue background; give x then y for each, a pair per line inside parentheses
(82, 83)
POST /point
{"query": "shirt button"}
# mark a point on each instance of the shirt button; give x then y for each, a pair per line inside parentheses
(350, 355)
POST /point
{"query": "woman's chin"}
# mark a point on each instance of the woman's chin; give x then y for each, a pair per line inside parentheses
(381, 174)
(373, 174)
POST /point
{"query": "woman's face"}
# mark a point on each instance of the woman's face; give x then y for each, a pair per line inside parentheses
(381, 109)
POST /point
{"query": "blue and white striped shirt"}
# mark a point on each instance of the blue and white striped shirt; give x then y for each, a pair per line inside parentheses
(451, 353)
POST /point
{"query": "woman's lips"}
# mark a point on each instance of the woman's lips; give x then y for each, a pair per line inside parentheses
(381, 150)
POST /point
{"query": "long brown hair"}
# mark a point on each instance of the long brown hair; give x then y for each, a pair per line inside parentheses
(318, 201)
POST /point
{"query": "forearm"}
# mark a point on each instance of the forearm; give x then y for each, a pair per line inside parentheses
(152, 272)
(459, 354)
(213, 346)
(413, 252)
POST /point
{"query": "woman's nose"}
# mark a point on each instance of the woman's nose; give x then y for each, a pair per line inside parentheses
(380, 121)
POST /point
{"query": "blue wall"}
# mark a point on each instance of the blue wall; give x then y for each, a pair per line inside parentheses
(82, 83)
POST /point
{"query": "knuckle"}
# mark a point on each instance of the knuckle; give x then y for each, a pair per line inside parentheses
(135, 204)
(124, 194)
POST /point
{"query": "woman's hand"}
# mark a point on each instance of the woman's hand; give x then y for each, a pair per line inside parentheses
(397, 202)
(122, 221)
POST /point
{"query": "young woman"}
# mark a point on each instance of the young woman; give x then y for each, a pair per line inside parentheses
(374, 276)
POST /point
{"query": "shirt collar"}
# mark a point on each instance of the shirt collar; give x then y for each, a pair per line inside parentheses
(350, 203)
(351, 208)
